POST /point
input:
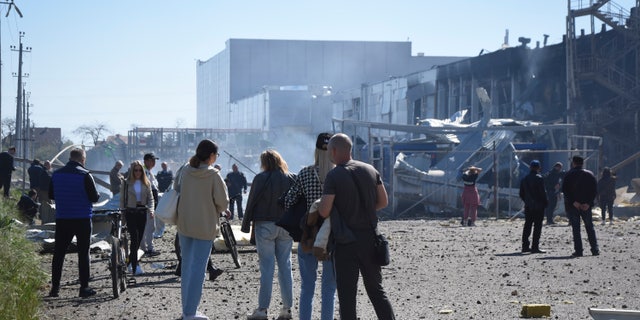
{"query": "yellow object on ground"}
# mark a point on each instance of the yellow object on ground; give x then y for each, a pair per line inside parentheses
(535, 310)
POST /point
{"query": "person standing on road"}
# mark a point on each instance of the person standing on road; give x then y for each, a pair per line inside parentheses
(606, 194)
(164, 177)
(203, 196)
(580, 188)
(470, 196)
(273, 243)
(74, 191)
(137, 201)
(309, 185)
(115, 177)
(535, 201)
(6, 169)
(237, 184)
(552, 181)
(356, 190)
(34, 171)
(154, 226)
(46, 211)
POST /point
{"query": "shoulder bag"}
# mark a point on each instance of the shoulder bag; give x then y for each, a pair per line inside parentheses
(290, 220)
(167, 209)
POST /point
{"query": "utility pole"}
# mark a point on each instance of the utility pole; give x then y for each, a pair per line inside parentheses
(11, 5)
(19, 118)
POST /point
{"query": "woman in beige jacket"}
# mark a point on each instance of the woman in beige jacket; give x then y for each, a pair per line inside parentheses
(203, 196)
(136, 199)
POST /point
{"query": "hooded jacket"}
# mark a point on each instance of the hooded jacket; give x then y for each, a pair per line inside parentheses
(203, 196)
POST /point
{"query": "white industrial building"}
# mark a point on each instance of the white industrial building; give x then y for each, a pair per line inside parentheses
(275, 86)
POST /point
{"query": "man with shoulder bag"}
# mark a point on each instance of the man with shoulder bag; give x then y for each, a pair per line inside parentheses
(355, 190)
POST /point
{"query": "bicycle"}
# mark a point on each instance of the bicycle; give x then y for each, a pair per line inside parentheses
(229, 238)
(119, 243)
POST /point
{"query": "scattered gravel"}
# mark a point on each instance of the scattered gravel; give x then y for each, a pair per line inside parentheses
(439, 270)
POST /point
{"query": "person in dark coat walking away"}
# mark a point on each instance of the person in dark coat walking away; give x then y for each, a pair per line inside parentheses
(6, 169)
(580, 188)
(552, 183)
(74, 191)
(606, 194)
(535, 201)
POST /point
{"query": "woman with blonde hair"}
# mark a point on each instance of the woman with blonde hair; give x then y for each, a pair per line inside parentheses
(136, 200)
(309, 185)
(203, 196)
(273, 243)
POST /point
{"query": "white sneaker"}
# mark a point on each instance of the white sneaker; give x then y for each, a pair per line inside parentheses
(285, 314)
(258, 314)
(198, 316)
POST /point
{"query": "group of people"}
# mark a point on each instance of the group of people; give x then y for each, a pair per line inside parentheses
(334, 181)
(580, 189)
(337, 180)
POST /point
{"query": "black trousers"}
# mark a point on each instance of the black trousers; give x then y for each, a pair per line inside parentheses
(552, 198)
(5, 181)
(349, 261)
(532, 218)
(66, 229)
(136, 221)
(236, 201)
(574, 218)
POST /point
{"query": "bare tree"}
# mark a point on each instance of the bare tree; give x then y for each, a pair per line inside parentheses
(8, 128)
(96, 132)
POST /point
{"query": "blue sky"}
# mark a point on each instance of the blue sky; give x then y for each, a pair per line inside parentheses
(127, 63)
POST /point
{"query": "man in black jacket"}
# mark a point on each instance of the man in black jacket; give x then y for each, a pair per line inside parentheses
(6, 169)
(535, 201)
(580, 188)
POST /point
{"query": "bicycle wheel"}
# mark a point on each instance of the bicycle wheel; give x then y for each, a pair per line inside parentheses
(230, 242)
(122, 267)
(114, 265)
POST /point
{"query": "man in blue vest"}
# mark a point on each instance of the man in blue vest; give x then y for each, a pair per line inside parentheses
(74, 191)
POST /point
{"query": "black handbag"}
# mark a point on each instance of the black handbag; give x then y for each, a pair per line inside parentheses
(291, 217)
(290, 220)
(381, 247)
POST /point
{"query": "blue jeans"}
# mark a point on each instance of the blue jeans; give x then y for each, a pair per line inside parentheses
(274, 244)
(195, 254)
(308, 265)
